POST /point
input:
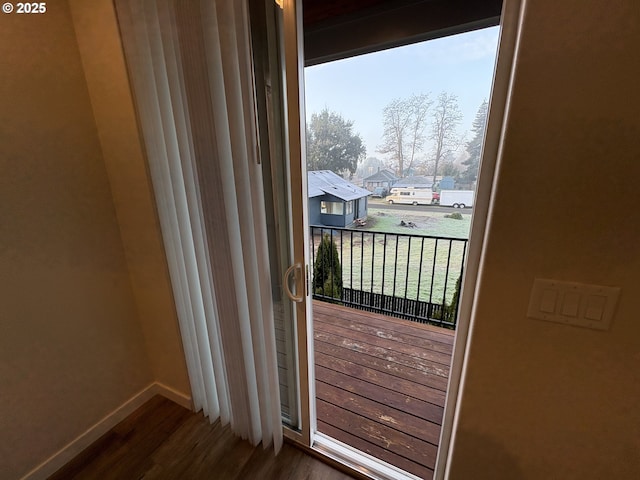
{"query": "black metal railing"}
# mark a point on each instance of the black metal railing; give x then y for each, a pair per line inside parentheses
(416, 277)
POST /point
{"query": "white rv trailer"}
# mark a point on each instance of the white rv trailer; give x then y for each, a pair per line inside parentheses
(411, 196)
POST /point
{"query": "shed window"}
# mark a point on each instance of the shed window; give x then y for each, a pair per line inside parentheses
(331, 208)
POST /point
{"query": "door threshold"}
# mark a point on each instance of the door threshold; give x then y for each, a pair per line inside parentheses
(354, 459)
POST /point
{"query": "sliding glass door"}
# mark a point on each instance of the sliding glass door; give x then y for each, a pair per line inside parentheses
(278, 77)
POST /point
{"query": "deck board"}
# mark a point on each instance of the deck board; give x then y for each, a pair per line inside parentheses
(399, 398)
(422, 453)
(417, 352)
(376, 451)
(392, 417)
(380, 378)
(443, 335)
(381, 383)
(381, 359)
(438, 339)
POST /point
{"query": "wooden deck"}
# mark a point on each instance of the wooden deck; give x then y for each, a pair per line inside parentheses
(380, 384)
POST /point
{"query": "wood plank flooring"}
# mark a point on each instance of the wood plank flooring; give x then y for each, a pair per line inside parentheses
(162, 440)
(381, 383)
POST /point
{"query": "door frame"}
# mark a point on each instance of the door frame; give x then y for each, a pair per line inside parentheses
(505, 67)
(295, 128)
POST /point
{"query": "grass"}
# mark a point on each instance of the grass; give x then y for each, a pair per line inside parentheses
(426, 269)
(428, 223)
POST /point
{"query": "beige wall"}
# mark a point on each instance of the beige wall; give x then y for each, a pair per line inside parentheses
(543, 400)
(75, 337)
(101, 52)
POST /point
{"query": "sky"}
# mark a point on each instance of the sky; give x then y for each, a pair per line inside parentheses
(360, 87)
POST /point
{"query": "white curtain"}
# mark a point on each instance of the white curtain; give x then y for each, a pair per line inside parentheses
(191, 73)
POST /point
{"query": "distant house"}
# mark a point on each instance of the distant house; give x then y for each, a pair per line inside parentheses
(414, 182)
(382, 178)
(333, 201)
(446, 183)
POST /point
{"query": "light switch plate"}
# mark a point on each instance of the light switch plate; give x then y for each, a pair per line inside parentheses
(572, 303)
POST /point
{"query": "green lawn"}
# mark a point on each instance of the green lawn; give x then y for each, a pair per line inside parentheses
(428, 223)
(426, 268)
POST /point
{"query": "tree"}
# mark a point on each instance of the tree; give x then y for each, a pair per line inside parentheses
(449, 169)
(332, 144)
(449, 311)
(474, 146)
(405, 121)
(444, 129)
(369, 166)
(453, 308)
(327, 272)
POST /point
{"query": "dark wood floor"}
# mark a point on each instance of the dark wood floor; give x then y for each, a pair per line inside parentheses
(163, 440)
(381, 383)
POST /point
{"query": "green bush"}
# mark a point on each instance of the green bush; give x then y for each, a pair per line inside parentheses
(451, 309)
(448, 313)
(330, 288)
(327, 272)
(454, 215)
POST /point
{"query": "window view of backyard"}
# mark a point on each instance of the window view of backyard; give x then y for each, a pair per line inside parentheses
(393, 150)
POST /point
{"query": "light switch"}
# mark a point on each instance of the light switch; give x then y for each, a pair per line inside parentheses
(570, 304)
(595, 307)
(548, 300)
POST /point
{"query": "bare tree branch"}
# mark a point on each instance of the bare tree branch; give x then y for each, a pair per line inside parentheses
(405, 121)
(444, 129)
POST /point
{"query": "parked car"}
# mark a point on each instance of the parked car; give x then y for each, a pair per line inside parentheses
(379, 192)
(435, 198)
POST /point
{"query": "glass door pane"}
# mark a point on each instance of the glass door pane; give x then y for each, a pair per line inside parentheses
(281, 132)
(276, 192)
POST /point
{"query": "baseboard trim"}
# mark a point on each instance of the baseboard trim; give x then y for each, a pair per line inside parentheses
(173, 395)
(67, 453)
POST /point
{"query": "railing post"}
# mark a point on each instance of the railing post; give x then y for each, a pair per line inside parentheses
(433, 276)
(406, 281)
(419, 277)
(373, 257)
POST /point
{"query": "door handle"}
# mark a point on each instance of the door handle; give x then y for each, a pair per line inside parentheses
(295, 268)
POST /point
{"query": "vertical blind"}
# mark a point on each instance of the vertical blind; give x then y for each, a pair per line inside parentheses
(191, 72)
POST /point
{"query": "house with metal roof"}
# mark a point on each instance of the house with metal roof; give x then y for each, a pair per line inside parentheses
(414, 182)
(334, 201)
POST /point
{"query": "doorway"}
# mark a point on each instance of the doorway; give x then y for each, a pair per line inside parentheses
(383, 346)
(311, 423)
